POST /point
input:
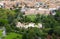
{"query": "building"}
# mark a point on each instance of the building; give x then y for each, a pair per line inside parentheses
(1, 5)
(30, 3)
(31, 6)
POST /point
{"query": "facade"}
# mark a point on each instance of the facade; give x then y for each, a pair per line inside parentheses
(33, 6)
(39, 11)
(30, 3)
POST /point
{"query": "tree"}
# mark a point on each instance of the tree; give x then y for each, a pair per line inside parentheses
(3, 22)
(34, 33)
(57, 16)
(38, 18)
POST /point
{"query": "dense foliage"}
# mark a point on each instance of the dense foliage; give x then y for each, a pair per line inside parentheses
(51, 24)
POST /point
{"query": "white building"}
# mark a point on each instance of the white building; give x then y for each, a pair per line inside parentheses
(40, 25)
(1, 5)
(20, 25)
(31, 24)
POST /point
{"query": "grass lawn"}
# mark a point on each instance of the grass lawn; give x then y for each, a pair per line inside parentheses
(13, 36)
(1, 32)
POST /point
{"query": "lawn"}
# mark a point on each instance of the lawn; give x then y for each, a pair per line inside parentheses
(13, 36)
(1, 32)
